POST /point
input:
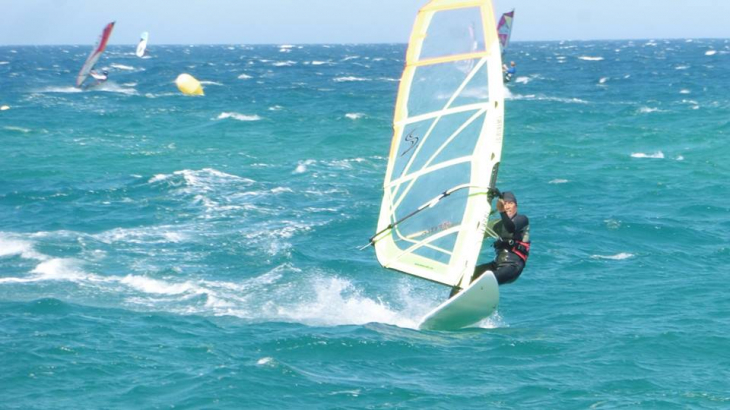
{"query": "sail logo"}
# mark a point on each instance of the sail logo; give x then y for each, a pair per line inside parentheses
(412, 139)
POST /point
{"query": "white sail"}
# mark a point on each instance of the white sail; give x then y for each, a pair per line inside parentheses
(446, 146)
(142, 46)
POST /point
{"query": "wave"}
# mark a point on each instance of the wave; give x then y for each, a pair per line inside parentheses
(647, 110)
(244, 77)
(210, 83)
(17, 129)
(656, 155)
(67, 89)
(12, 246)
(710, 52)
(350, 79)
(588, 58)
(354, 115)
(558, 181)
(535, 97)
(617, 257)
(122, 67)
(239, 117)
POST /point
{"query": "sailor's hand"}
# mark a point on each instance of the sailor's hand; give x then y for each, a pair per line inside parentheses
(500, 205)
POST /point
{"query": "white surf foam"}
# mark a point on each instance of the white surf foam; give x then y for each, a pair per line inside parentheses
(589, 58)
(656, 155)
(617, 257)
(558, 181)
(244, 77)
(237, 116)
(60, 269)
(710, 52)
(16, 129)
(354, 115)
(349, 79)
(123, 67)
(11, 246)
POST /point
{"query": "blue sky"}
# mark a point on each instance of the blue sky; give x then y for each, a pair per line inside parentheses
(25, 22)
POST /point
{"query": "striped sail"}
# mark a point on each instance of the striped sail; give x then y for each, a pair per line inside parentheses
(504, 28)
(95, 54)
(447, 144)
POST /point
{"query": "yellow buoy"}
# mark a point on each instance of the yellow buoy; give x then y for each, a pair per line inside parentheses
(188, 85)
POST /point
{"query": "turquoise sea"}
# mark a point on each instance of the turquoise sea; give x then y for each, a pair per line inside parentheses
(160, 251)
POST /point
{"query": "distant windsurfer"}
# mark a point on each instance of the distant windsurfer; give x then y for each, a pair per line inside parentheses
(509, 72)
(513, 245)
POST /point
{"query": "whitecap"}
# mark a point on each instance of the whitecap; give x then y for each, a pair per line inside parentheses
(239, 117)
(617, 257)
(210, 83)
(558, 181)
(244, 77)
(710, 52)
(18, 129)
(284, 63)
(350, 79)
(302, 166)
(684, 91)
(603, 80)
(656, 155)
(680, 158)
(11, 246)
(588, 58)
(122, 67)
(354, 115)
(647, 110)
(275, 108)
(60, 269)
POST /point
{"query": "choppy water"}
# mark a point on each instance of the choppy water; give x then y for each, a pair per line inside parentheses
(159, 251)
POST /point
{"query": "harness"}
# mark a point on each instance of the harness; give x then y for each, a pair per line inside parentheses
(521, 249)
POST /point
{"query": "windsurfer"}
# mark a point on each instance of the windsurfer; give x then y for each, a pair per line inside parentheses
(99, 77)
(513, 245)
(509, 72)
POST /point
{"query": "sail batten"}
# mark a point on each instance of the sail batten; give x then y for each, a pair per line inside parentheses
(446, 145)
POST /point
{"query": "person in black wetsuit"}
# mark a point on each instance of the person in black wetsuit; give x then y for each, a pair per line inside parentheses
(512, 246)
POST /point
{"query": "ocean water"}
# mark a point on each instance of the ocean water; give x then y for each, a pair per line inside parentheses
(163, 251)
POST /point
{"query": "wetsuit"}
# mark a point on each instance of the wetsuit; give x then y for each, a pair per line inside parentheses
(512, 249)
(511, 71)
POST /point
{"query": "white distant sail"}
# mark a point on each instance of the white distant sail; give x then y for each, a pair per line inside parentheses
(96, 53)
(142, 46)
(446, 146)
